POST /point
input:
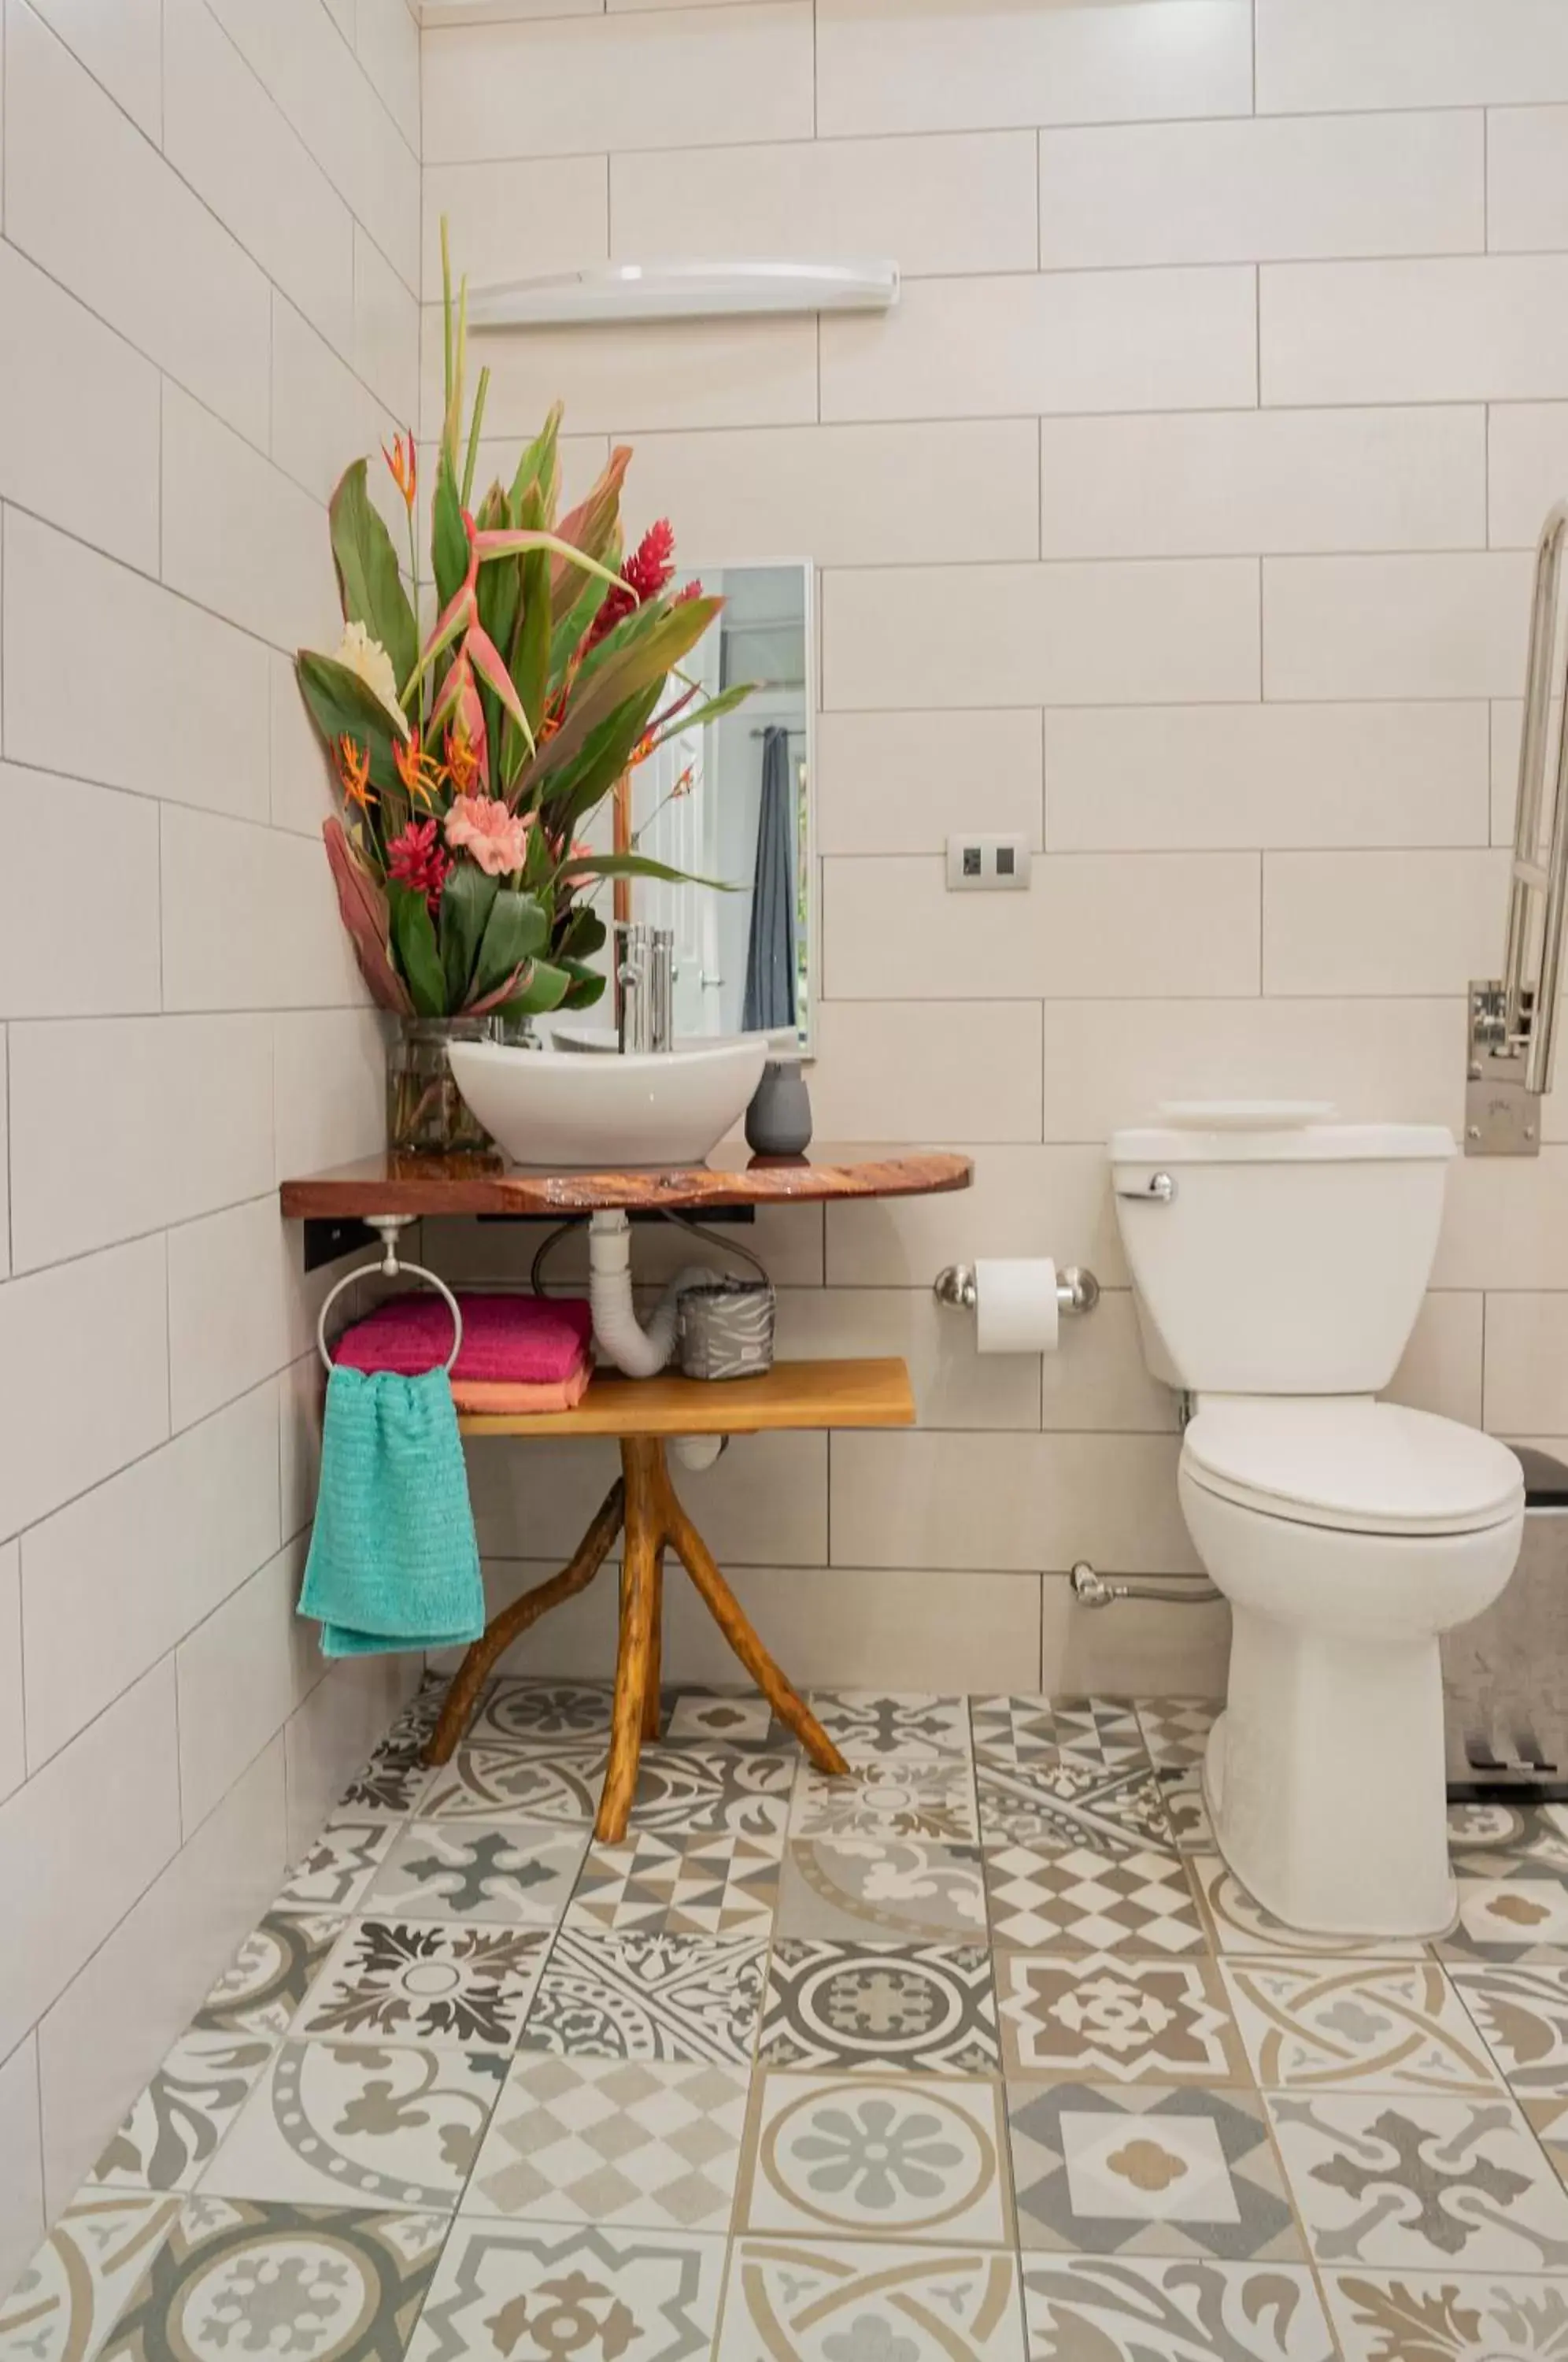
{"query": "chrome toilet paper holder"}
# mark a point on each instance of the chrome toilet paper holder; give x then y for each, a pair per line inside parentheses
(1077, 1290)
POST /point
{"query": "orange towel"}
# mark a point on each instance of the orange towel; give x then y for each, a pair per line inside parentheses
(511, 1397)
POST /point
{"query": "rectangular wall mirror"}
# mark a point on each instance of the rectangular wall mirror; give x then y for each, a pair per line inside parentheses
(735, 799)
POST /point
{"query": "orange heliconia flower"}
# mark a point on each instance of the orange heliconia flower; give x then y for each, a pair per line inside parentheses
(419, 772)
(462, 757)
(354, 771)
(404, 466)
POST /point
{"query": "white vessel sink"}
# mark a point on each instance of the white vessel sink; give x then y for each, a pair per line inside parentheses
(598, 1109)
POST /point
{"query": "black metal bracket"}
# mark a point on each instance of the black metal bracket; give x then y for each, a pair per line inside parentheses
(329, 1237)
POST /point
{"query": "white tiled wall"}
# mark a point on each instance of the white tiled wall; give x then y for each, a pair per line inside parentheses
(1178, 518)
(208, 280)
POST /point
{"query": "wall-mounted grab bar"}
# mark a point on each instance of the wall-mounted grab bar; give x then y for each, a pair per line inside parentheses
(1513, 1018)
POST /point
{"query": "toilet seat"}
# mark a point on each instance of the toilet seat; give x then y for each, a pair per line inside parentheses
(1353, 1465)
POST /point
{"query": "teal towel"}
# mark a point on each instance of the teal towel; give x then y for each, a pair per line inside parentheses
(394, 1558)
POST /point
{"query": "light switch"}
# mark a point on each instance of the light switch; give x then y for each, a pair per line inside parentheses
(988, 865)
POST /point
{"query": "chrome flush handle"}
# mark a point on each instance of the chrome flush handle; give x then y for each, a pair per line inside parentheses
(1160, 1186)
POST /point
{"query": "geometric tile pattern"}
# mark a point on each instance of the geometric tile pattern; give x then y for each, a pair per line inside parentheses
(1082, 1900)
(879, 2005)
(794, 2073)
(653, 2143)
(1147, 2172)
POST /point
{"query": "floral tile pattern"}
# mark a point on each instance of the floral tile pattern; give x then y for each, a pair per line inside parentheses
(719, 1717)
(535, 1710)
(1147, 2171)
(173, 2128)
(1094, 1730)
(1116, 2020)
(849, 2301)
(322, 2283)
(64, 2304)
(335, 1872)
(1240, 1924)
(1053, 1801)
(1421, 2183)
(1312, 2025)
(1522, 2014)
(510, 1781)
(389, 1784)
(893, 1797)
(642, 1996)
(902, 1887)
(713, 1791)
(879, 2005)
(1091, 2311)
(448, 1983)
(368, 2123)
(1447, 2317)
(1548, 2119)
(653, 2143)
(893, 2157)
(1082, 1899)
(545, 2292)
(1537, 1831)
(674, 1886)
(1511, 1907)
(476, 1869)
(1187, 1814)
(274, 1968)
(867, 1725)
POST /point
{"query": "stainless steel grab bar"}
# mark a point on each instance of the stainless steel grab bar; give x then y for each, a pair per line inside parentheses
(1513, 1019)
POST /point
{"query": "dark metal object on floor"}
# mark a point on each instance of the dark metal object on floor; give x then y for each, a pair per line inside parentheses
(1505, 1675)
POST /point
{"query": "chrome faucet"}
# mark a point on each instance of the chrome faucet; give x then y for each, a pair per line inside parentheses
(645, 987)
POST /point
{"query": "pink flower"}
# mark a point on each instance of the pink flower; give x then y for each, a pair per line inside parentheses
(415, 860)
(481, 827)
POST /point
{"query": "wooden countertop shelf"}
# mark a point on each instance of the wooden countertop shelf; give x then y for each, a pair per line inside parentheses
(792, 1395)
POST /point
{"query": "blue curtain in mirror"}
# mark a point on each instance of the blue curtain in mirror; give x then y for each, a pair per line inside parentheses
(770, 945)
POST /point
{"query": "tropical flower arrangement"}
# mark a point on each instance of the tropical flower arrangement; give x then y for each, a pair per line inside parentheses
(471, 761)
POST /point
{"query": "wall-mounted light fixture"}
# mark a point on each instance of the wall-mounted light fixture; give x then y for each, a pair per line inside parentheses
(614, 292)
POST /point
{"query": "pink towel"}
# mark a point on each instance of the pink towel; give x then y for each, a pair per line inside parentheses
(507, 1340)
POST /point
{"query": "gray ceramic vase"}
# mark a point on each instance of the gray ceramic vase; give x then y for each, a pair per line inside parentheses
(779, 1120)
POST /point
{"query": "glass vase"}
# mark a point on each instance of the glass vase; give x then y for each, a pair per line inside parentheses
(426, 1113)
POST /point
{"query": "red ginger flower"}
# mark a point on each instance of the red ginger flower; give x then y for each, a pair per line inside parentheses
(643, 576)
(418, 860)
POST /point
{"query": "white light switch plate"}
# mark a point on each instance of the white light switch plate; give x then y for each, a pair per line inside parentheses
(988, 865)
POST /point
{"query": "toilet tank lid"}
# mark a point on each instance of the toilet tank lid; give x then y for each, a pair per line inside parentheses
(1307, 1143)
(1376, 1464)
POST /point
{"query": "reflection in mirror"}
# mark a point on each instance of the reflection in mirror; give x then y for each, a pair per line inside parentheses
(732, 800)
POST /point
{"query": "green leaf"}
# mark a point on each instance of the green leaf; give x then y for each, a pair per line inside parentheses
(414, 940)
(448, 542)
(628, 672)
(585, 783)
(536, 472)
(516, 930)
(543, 988)
(467, 900)
(587, 986)
(369, 582)
(637, 864)
(471, 461)
(583, 934)
(342, 707)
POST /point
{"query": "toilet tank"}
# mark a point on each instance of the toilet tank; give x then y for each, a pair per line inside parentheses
(1288, 1261)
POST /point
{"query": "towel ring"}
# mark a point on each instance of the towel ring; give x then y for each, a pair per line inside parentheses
(391, 1266)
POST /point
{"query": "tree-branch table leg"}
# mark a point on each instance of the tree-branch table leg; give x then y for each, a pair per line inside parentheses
(642, 1464)
(656, 1649)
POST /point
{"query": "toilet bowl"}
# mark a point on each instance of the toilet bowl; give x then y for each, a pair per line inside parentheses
(1278, 1272)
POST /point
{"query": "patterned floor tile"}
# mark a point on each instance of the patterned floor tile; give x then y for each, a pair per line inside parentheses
(371, 2123)
(1447, 2317)
(1148, 2172)
(64, 2305)
(475, 1870)
(1117, 2021)
(1548, 2119)
(532, 1710)
(335, 1870)
(1066, 1800)
(1537, 1831)
(873, 2007)
(902, 2158)
(1243, 1927)
(1086, 1900)
(853, 2301)
(1187, 1814)
(1113, 2311)
(648, 2144)
(1511, 1907)
(1175, 1730)
(1420, 2183)
(895, 1798)
(882, 1886)
(518, 1781)
(1384, 2026)
(641, 1996)
(262, 1987)
(722, 1718)
(545, 2292)
(388, 1785)
(1095, 1730)
(1523, 2016)
(676, 1887)
(453, 1984)
(320, 2283)
(713, 1791)
(171, 2134)
(867, 1726)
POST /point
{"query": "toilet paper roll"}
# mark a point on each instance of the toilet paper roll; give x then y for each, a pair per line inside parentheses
(1015, 1305)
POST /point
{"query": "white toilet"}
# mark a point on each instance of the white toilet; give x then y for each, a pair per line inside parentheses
(1278, 1266)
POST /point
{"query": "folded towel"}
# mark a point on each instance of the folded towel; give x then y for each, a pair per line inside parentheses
(393, 1559)
(509, 1398)
(534, 1340)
